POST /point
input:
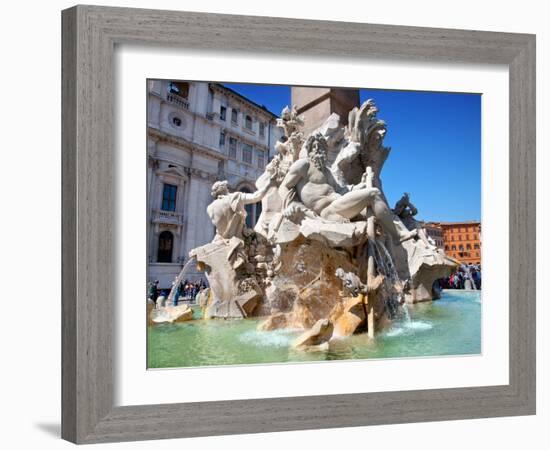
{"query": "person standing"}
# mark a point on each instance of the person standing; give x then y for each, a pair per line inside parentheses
(152, 291)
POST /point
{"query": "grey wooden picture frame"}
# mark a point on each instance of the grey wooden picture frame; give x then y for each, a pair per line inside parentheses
(90, 34)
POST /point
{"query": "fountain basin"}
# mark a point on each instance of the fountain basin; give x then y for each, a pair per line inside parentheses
(449, 326)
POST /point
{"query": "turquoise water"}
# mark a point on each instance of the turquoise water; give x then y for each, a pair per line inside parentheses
(449, 326)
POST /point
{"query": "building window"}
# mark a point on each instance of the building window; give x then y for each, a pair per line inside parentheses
(446, 247)
(222, 140)
(169, 197)
(260, 160)
(476, 246)
(247, 154)
(468, 247)
(233, 148)
(223, 112)
(234, 114)
(166, 243)
(249, 210)
(467, 237)
(181, 89)
(461, 247)
(248, 122)
(262, 129)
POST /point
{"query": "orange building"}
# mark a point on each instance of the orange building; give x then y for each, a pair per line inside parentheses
(462, 240)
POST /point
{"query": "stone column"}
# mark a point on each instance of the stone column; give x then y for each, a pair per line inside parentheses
(317, 104)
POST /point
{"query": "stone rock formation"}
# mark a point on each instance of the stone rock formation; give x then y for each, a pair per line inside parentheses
(327, 252)
(316, 338)
(171, 314)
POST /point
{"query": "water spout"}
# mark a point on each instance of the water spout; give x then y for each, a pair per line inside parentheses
(406, 313)
(178, 281)
(386, 267)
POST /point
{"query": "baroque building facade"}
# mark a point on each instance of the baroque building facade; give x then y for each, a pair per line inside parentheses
(435, 232)
(463, 240)
(197, 133)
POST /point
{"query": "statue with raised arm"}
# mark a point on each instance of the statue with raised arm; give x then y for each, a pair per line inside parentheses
(227, 211)
(405, 210)
(315, 187)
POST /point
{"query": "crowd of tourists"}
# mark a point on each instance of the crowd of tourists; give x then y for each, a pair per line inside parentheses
(186, 291)
(468, 276)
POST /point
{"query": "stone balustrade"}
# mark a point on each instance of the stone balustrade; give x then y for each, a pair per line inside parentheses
(170, 217)
(178, 100)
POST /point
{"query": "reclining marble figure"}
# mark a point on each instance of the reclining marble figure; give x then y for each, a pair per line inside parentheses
(315, 187)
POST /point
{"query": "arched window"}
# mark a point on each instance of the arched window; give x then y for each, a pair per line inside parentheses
(248, 122)
(166, 244)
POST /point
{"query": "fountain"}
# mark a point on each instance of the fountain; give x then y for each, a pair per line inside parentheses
(178, 281)
(327, 252)
(167, 310)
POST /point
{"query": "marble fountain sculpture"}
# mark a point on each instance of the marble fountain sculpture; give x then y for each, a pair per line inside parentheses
(327, 254)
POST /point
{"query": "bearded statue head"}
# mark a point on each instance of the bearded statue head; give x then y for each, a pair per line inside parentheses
(317, 149)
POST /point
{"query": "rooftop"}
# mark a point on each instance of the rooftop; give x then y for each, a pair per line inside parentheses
(262, 107)
(463, 222)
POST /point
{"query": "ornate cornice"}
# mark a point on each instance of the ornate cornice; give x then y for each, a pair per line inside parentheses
(162, 136)
(243, 100)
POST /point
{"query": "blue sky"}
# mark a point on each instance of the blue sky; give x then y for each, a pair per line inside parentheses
(436, 146)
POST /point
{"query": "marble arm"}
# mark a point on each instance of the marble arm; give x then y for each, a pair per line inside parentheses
(295, 173)
(257, 196)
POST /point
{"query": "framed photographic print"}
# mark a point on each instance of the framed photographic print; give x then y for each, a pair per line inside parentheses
(308, 232)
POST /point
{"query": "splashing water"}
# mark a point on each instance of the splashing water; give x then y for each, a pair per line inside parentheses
(406, 313)
(388, 261)
(386, 267)
(179, 280)
(275, 338)
(408, 327)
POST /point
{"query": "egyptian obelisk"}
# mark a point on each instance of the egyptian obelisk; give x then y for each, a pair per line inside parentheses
(317, 104)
